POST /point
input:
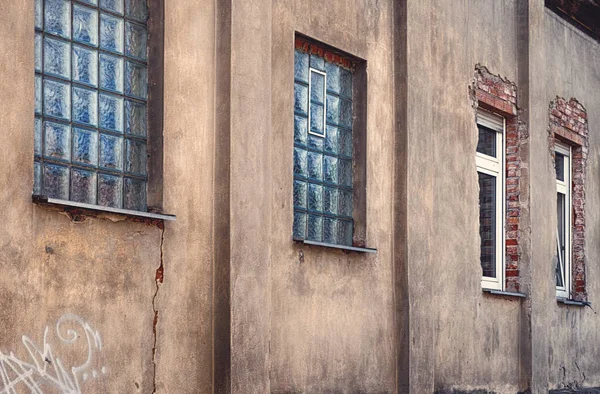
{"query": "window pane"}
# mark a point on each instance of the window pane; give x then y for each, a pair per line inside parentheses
(559, 166)
(486, 143)
(560, 241)
(487, 223)
(91, 81)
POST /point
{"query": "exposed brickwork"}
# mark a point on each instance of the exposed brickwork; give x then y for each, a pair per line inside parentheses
(568, 124)
(329, 55)
(499, 95)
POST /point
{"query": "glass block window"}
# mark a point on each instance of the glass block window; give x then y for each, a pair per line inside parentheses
(322, 149)
(91, 76)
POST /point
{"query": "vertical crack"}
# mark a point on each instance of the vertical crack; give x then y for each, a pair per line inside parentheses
(159, 280)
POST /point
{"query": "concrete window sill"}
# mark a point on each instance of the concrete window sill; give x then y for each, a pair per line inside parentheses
(44, 200)
(566, 301)
(334, 246)
(505, 293)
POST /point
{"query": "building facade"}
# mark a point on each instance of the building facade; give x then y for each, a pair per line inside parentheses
(299, 196)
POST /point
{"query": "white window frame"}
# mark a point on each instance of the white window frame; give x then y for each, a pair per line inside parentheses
(324, 74)
(564, 187)
(494, 166)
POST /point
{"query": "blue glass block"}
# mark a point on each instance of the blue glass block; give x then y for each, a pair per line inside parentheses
(57, 99)
(134, 194)
(83, 186)
(38, 52)
(110, 190)
(300, 194)
(300, 129)
(85, 25)
(333, 109)
(85, 106)
(315, 197)
(317, 119)
(112, 5)
(331, 139)
(38, 94)
(345, 174)
(300, 98)
(110, 111)
(299, 229)
(57, 58)
(345, 202)
(85, 146)
(92, 2)
(300, 166)
(136, 9)
(315, 142)
(111, 152)
(58, 17)
(315, 165)
(330, 169)
(136, 38)
(135, 157)
(38, 14)
(330, 231)
(333, 77)
(85, 65)
(56, 181)
(301, 66)
(37, 139)
(346, 113)
(345, 139)
(135, 118)
(317, 62)
(315, 228)
(57, 140)
(330, 200)
(37, 178)
(111, 73)
(111, 33)
(136, 80)
(345, 229)
(345, 83)
(317, 87)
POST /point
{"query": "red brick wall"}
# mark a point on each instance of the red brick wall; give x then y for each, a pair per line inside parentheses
(568, 124)
(499, 95)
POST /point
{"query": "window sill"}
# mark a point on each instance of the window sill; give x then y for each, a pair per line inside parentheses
(334, 246)
(98, 208)
(566, 301)
(505, 293)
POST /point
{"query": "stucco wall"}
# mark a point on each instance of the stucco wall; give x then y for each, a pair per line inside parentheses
(573, 70)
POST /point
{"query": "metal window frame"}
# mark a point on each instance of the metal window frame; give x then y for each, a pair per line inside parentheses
(495, 166)
(324, 74)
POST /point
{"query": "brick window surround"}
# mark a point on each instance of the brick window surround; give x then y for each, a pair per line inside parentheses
(568, 124)
(499, 95)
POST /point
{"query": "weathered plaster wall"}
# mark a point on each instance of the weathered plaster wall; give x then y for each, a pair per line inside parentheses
(99, 270)
(459, 336)
(332, 312)
(573, 70)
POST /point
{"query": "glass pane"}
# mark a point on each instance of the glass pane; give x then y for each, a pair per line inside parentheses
(330, 169)
(301, 66)
(486, 143)
(111, 73)
(112, 5)
(85, 65)
(330, 200)
(135, 40)
(300, 129)
(559, 166)
(136, 9)
(346, 113)
(333, 77)
(299, 229)
(300, 98)
(345, 83)
(110, 190)
(38, 14)
(135, 157)
(487, 223)
(333, 109)
(315, 227)
(85, 106)
(83, 186)
(37, 139)
(111, 112)
(57, 58)
(317, 62)
(134, 194)
(135, 118)
(330, 231)
(345, 230)
(57, 141)
(85, 146)
(57, 99)
(317, 119)
(111, 33)
(56, 181)
(38, 52)
(58, 17)
(111, 152)
(317, 87)
(136, 79)
(85, 25)
(315, 197)
(561, 235)
(300, 194)
(315, 165)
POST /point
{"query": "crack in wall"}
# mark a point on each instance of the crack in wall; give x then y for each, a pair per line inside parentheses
(159, 280)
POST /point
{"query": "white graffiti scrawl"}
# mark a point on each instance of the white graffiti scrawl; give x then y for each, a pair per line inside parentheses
(43, 371)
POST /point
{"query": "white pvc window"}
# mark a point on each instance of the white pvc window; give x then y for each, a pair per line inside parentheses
(562, 161)
(489, 159)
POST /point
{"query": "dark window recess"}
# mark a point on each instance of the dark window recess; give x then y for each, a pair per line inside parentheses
(486, 144)
(583, 14)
